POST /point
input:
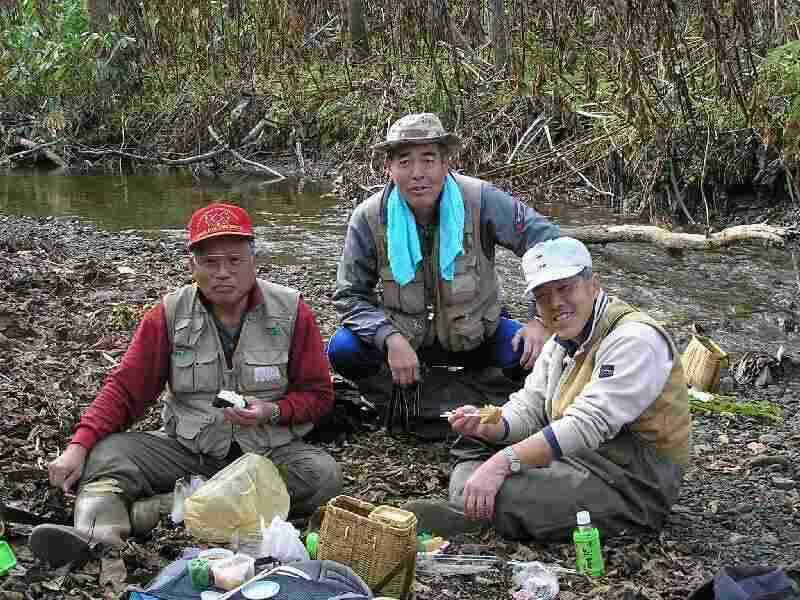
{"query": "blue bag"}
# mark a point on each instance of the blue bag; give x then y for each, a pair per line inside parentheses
(748, 583)
(303, 580)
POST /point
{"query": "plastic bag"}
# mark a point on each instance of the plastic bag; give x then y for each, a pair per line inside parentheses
(282, 542)
(445, 565)
(534, 581)
(235, 499)
(181, 493)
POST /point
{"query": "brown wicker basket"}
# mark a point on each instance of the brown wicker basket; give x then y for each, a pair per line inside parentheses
(378, 543)
(703, 361)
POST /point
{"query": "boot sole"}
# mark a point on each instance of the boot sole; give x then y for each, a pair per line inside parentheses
(58, 544)
(438, 518)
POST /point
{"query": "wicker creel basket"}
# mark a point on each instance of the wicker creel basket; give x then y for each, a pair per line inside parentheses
(703, 362)
(378, 543)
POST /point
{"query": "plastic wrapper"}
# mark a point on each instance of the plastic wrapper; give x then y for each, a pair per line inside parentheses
(534, 581)
(282, 542)
(445, 565)
(234, 501)
(182, 491)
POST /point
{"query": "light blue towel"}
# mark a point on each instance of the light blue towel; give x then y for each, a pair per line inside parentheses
(405, 253)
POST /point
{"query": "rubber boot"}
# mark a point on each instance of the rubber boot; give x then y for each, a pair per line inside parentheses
(101, 521)
(146, 512)
(442, 518)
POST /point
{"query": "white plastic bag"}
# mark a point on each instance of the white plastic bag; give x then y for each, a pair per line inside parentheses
(282, 542)
(534, 581)
(181, 493)
(234, 501)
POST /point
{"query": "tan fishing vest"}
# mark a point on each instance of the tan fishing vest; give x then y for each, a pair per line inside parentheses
(198, 371)
(467, 308)
(667, 424)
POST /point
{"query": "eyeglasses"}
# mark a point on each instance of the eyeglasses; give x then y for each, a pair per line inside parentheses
(214, 262)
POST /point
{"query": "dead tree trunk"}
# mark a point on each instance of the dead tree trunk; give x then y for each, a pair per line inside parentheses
(443, 27)
(500, 35)
(358, 29)
(99, 11)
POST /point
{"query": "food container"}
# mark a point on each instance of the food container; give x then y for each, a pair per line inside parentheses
(213, 554)
(232, 572)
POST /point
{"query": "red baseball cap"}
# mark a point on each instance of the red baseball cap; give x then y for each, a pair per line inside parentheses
(218, 219)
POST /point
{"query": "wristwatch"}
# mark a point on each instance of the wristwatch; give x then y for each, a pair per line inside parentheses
(275, 415)
(514, 464)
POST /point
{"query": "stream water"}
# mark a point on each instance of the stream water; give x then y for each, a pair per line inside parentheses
(744, 297)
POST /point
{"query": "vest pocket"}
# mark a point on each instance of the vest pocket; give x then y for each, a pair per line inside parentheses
(182, 370)
(264, 370)
(194, 431)
(206, 373)
(466, 334)
(463, 288)
(409, 298)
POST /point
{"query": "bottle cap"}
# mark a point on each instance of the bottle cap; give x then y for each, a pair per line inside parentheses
(583, 517)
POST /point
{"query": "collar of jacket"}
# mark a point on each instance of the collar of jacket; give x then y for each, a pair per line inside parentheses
(577, 345)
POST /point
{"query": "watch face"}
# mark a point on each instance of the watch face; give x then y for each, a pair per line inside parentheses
(514, 464)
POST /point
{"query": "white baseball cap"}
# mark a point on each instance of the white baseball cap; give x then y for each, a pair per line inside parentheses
(552, 260)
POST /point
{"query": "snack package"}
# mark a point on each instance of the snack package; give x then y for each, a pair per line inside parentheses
(490, 415)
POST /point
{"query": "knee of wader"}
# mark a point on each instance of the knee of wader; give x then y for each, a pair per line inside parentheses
(327, 485)
(350, 357)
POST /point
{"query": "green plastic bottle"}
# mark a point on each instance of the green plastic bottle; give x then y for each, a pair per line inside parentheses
(588, 554)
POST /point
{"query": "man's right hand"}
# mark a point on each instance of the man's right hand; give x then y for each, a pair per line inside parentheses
(403, 361)
(466, 421)
(68, 467)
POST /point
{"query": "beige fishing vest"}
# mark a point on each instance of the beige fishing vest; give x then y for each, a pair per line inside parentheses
(198, 371)
(467, 308)
(667, 424)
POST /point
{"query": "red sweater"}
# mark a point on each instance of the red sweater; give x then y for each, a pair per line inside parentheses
(140, 378)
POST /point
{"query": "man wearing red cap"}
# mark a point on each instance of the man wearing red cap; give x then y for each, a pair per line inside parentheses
(227, 331)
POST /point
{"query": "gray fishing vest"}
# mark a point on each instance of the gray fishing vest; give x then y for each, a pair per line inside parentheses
(467, 308)
(198, 371)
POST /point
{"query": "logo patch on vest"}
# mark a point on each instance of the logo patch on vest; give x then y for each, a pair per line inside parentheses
(265, 374)
(605, 371)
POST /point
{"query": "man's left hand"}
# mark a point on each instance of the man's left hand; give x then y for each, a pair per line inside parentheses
(256, 413)
(533, 335)
(482, 487)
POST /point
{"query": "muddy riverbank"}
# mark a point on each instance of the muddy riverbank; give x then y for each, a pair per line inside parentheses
(70, 297)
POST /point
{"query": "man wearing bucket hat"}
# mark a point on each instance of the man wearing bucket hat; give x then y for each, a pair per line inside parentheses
(602, 423)
(227, 331)
(429, 239)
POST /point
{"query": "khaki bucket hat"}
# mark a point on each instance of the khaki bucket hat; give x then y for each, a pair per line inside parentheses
(418, 128)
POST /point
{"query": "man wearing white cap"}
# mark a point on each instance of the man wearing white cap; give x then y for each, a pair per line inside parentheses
(602, 423)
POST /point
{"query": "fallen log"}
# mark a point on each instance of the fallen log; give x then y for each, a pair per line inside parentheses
(772, 235)
(16, 155)
(175, 162)
(44, 148)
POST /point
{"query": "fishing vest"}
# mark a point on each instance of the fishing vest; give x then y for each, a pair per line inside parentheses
(198, 371)
(466, 310)
(666, 424)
